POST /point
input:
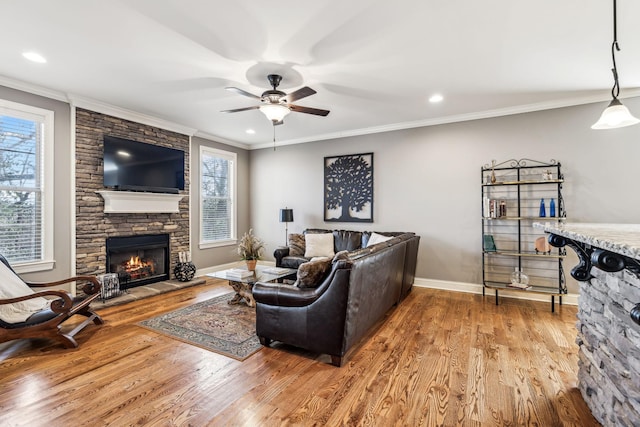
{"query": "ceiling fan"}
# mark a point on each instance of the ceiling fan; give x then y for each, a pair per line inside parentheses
(276, 104)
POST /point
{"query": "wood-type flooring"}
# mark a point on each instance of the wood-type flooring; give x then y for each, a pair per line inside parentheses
(439, 359)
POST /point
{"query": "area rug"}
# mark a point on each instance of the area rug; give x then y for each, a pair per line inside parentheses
(214, 325)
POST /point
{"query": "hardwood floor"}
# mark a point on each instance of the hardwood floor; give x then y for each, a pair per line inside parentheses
(440, 358)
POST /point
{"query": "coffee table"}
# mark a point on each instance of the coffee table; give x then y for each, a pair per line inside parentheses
(244, 285)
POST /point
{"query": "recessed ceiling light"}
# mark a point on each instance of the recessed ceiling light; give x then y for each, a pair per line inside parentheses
(436, 98)
(250, 131)
(34, 57)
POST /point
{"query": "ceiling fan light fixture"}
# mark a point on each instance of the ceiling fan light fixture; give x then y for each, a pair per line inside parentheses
(275, 112)
(614, 116)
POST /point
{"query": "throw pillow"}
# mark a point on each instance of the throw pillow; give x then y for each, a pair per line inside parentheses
(377, 238)
(320, 244)
(311, 273)
(296, 244)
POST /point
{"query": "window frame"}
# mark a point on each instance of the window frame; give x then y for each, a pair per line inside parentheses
(46, 117)
(233, 175)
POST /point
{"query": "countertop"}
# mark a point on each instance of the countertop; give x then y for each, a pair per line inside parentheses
(623, 239)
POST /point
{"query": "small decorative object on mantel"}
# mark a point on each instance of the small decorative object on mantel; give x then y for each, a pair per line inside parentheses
(184, 269)
(250, 249)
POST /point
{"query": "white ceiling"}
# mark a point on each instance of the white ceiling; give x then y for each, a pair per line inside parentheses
(374, 63)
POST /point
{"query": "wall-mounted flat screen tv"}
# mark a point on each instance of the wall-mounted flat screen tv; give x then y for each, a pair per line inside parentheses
(137, 166)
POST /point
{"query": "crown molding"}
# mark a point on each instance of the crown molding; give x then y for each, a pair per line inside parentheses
(214, 138)
(519, 109)
(33, 89)
(102, 107)
(97, 106)
(123, 113)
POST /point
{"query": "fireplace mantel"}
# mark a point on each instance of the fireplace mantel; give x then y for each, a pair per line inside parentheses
(139, 202)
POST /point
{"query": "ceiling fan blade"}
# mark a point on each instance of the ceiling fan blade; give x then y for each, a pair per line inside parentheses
(303, 92)
(308, 110)
(241, 92)
(255, 107)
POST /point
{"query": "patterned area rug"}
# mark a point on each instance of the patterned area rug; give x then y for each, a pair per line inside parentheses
(214, 325)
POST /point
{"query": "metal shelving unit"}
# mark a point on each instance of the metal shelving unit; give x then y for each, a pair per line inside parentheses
(512, 194)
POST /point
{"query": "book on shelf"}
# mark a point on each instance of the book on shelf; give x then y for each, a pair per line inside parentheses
(238, 273)
(489, 243)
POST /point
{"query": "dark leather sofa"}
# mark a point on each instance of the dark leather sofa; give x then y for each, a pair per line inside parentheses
(355, 295)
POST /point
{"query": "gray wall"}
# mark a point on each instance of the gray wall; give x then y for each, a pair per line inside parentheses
(426, 180)
(62, 181)
(204, 258)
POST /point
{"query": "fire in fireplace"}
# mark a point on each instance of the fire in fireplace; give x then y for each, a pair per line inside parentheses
(138, 260)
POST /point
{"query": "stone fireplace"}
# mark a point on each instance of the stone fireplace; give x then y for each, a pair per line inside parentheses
(138, 260)
(93, 225)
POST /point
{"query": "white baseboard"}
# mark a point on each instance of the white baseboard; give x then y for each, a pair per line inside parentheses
(474, 288)
(470, 288)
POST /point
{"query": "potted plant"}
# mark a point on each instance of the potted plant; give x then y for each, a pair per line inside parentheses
(250, 249)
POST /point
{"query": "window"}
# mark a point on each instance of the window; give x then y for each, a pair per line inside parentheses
(26, 186)
(217, 197)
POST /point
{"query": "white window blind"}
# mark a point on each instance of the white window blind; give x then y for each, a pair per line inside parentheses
(24, 219)
(217, 197)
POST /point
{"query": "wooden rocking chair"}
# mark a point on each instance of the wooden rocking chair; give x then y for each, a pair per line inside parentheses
(47, 322)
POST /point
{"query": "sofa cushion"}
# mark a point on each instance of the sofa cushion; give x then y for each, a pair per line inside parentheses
(377, 238)
(346, 240)
(318, 245)
(293, 261)
(296, 244)
(310, 274)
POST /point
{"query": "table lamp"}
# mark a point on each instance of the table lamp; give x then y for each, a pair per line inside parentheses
(286, 216)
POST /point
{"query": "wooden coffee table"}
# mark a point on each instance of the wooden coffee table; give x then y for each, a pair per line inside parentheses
(244, 286)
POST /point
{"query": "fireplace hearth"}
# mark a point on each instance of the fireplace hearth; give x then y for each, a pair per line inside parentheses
(138, 260)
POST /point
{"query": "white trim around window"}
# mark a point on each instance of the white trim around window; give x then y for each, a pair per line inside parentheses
(225, 235)
(46, 118)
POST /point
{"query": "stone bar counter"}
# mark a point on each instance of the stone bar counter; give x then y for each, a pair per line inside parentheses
(608, 316)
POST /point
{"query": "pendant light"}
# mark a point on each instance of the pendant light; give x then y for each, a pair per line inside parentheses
(615, 115)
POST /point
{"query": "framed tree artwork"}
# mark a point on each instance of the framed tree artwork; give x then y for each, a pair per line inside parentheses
(348, 188)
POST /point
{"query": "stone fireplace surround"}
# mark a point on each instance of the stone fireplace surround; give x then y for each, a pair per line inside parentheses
(93, 225)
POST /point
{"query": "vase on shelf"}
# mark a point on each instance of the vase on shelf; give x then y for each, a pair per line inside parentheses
(543, 212)
(552, 208)
(519, 278)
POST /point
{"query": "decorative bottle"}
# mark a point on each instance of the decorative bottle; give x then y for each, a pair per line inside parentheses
(543, 212)
(519, 279)
(552, 208)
